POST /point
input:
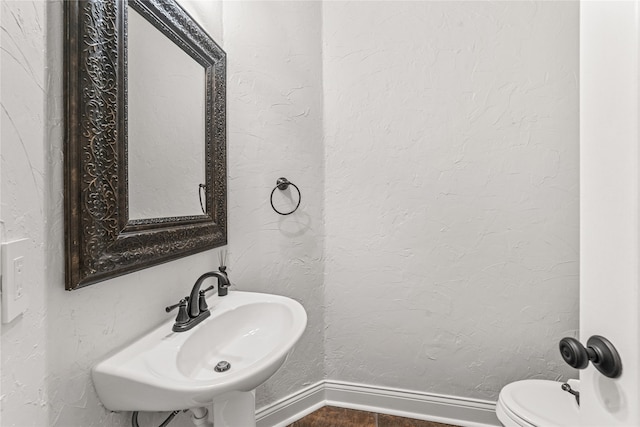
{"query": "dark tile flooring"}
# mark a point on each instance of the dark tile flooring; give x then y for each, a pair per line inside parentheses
(330, 416)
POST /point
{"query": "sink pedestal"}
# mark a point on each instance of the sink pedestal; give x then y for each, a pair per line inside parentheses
(235, 409)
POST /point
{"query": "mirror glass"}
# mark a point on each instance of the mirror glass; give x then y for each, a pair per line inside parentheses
(166, 124)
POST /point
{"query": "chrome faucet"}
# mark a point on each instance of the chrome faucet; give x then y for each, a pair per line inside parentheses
(193, 309)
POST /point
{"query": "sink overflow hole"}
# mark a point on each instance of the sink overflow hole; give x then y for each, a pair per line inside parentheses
(222, 366)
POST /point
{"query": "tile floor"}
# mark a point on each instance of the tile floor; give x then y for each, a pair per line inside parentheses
(330, 416)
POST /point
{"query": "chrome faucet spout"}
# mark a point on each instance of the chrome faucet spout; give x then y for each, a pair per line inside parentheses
(223, 283)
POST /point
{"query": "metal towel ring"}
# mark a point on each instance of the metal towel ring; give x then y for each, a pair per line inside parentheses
(282, 184)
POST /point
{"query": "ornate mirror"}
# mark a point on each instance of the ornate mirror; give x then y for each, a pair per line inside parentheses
(145, 148)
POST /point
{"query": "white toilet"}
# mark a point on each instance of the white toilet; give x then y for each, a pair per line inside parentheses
(538, 403)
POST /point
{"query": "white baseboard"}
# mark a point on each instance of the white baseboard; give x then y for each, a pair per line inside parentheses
(292, 408)
(403, 403)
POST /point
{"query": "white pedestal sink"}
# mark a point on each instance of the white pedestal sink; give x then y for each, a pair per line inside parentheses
(166, 370)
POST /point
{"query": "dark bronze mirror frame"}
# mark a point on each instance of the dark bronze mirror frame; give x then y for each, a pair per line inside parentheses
(100, 240)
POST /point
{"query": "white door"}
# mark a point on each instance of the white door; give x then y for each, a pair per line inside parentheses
(609, 204)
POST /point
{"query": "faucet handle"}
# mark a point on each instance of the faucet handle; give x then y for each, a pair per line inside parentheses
(174, 306)
(202, 301)
(183, 316)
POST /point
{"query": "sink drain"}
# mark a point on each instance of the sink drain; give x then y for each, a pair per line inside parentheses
(222, 366)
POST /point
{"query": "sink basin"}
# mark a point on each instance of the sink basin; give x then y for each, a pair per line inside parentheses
(166, 370)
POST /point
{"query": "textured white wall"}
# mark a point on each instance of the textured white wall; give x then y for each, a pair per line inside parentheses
(451, 201)
(22, 123)
(274, 85)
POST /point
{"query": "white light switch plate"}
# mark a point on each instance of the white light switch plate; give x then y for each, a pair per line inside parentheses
(14, 263)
